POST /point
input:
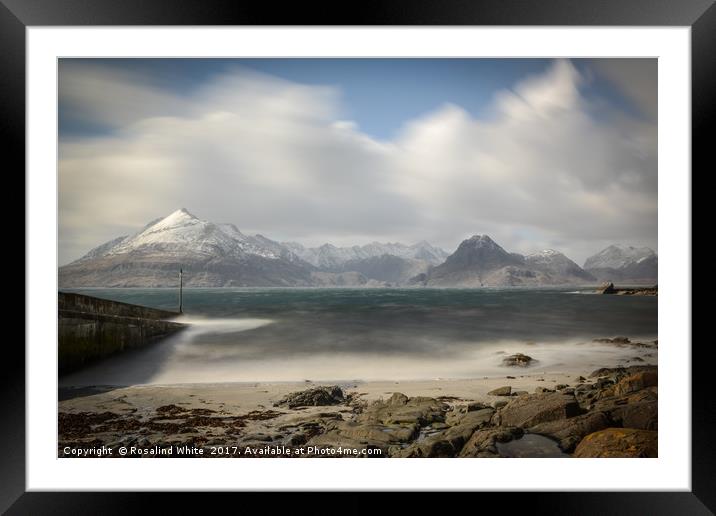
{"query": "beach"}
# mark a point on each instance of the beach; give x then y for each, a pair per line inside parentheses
(395, 418)
(387, 372)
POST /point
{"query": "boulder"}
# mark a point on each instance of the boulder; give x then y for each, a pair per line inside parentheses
(641, 415)
(372, 433)
(636, 382)
(458, 412)
(569, 432)
(400, 409)
(317, 396)
(501, 391)
(449, 442)
(518, 360)
(618, 372)
(531, 409)
(636, 410)
(483, 443)
(619, 442)
(398, 398)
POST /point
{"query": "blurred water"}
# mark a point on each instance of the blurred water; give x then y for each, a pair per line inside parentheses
(270, 334)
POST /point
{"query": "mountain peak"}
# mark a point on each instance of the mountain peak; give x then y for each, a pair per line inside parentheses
(617, 256)
(481, 252)
(482, 240)
(175, 218)
(183, 212)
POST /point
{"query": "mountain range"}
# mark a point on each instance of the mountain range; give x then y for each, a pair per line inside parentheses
(624, 263)
(220, 255)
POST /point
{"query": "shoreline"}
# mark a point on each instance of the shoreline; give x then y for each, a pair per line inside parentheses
(398, 418)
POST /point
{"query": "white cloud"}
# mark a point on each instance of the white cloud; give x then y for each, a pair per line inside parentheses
(279, 158)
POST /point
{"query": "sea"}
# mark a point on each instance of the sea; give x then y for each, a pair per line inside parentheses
(374, 334)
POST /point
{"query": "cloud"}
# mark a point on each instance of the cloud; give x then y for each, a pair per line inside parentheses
(636, 78)
(279, 158)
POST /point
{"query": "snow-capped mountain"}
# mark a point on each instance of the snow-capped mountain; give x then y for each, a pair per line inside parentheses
(211, 255)
(215, 255)
(183, 233)
(391, 263)
(480, 261)
(558, 267)
(624, 263)
(330, 257)
(618, 256)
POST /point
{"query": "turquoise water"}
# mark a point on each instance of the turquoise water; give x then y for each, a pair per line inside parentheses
(270, 334)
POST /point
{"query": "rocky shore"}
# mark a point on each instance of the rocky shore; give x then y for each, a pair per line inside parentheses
(609, 412)
(609, 288)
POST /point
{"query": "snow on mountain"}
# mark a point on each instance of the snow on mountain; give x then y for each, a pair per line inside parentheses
(186, 234)
(480, 261)
(618, 256)
(330, 257)
(558, 266)
(103, 249)
(221, 255)
(212, 254)
(625, 264)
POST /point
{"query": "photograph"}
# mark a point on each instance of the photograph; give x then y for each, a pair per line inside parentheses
(357, 257)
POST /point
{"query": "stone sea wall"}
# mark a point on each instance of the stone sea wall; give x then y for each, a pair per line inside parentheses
(90, 328)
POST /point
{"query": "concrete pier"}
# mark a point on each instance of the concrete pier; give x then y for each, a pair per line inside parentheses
(91, 328)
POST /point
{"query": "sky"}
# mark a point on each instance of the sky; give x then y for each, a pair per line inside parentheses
(536, 153)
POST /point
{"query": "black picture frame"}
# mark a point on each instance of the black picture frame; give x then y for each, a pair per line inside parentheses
(17, 15)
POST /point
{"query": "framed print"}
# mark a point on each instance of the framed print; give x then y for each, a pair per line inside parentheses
(457, 241)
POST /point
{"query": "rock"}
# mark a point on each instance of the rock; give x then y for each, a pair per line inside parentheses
(636, 410)
(471, 407)
(398, 398)
(451, 441)
(400, 409)
(603, 383)
(636, 382)
(569, 432)
(539, 390)
(317, 396)
(643, 415)
(581, 379)
(531, 409)
(459, 411)
(372, 433)
(518, 360)
(561, 386)
(498, 404)
(519, 393)
(501, 391)
(619, 442)
(384, 424)
(626, 371)
(482, 443)
(606, 288)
